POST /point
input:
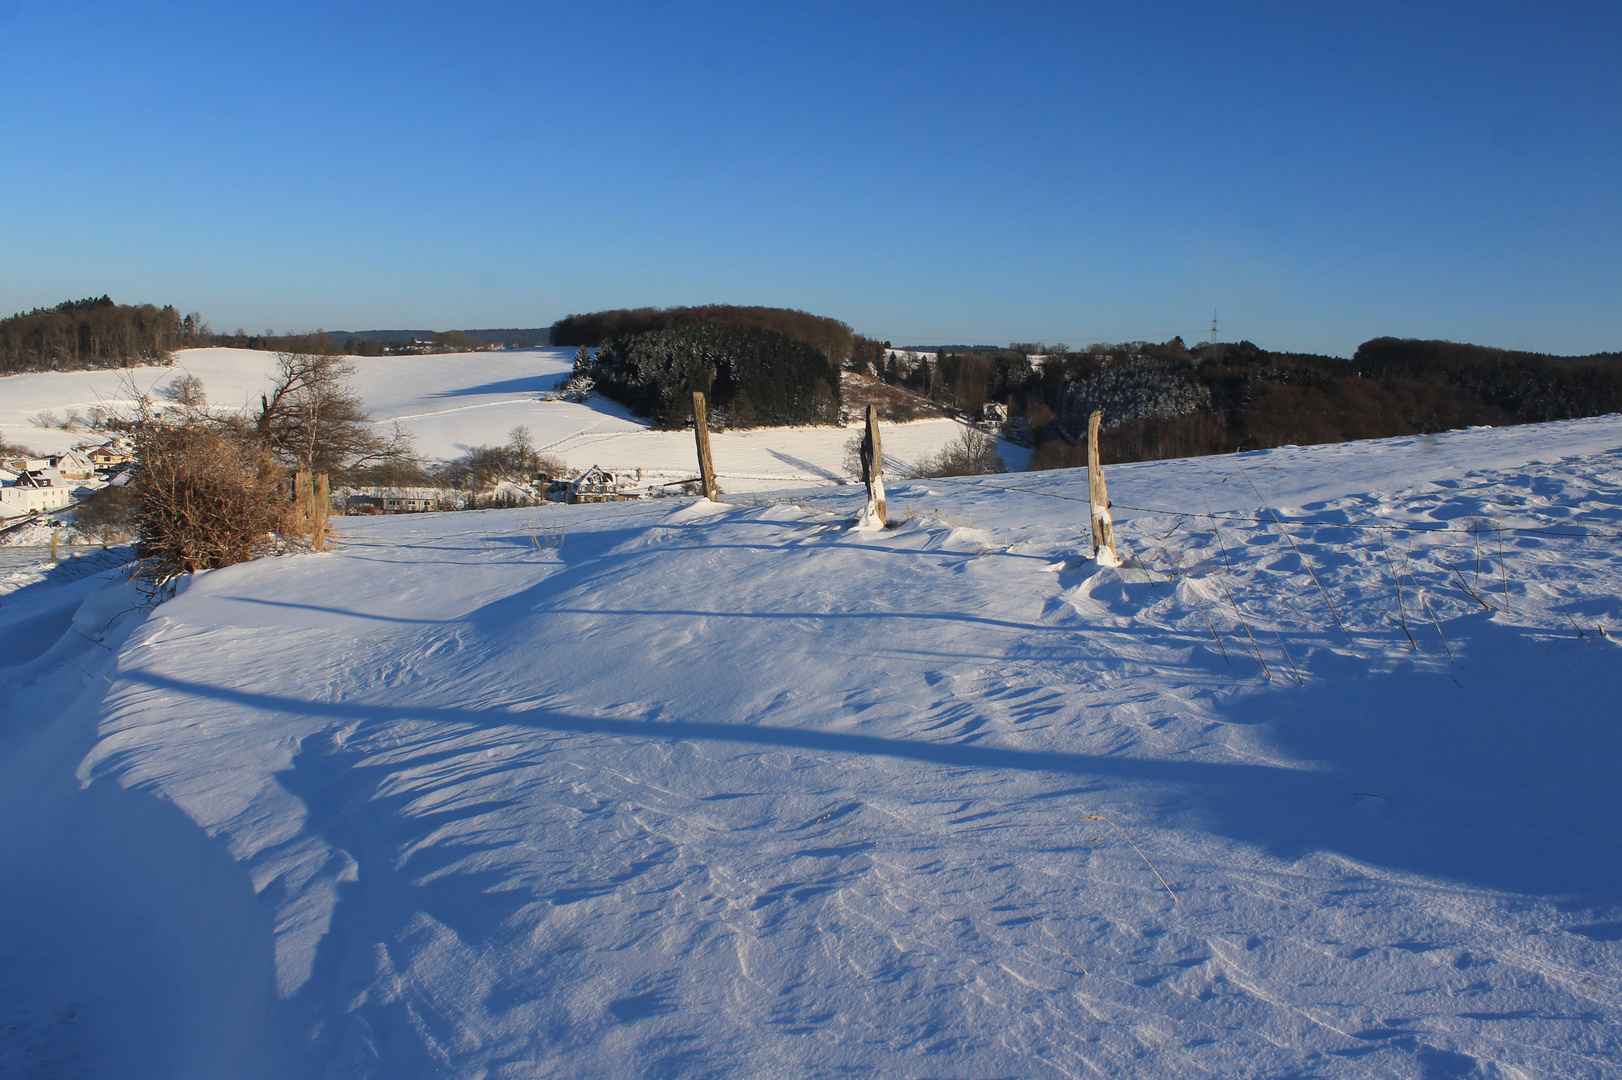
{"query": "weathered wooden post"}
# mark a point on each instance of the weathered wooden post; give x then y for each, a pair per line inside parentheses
(874, 514)
(302, 502)
(106, 532)
(54, 534)
(321, 503)
(1098, 495)
(701, 432)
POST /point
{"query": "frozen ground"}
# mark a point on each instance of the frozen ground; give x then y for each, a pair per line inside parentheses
(454, 402)
(738, 791)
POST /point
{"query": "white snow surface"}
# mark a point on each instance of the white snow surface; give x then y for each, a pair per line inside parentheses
(454, 402)
(736, 790)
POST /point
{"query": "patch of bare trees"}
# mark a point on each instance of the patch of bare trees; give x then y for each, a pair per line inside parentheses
(518, 461)
(207, 497)
(214, 486)
(973, 453)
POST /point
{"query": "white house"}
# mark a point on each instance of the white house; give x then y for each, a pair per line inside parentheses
(596, 484)
(74, 465)
(34, 490)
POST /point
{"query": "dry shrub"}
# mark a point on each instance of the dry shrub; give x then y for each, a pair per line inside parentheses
(209, 497)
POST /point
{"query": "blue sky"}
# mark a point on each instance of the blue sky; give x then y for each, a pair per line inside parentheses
(1319, 173)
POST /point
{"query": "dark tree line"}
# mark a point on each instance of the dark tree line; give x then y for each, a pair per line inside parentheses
(96, 333)
(831, 337)
(1169, 400)
(752, 377)
(1531, 387)
(386, 343)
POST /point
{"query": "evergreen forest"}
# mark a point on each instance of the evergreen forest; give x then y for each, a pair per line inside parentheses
(831, 337)
(752, 377)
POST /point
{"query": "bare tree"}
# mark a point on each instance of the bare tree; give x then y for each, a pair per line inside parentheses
(186, 390)
(973, 453)
(313, 419)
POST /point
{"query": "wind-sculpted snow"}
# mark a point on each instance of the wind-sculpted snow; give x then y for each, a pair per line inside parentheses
(742, 791)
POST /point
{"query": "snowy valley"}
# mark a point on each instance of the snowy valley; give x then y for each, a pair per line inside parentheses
(453, 402)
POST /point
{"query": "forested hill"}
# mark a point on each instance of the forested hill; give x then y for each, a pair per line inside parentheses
(831, 337)
(1170, 400)
(95, 333)
(754, 377)
(1442, 353)
(1531, 387)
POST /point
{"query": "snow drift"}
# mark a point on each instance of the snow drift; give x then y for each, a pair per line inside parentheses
(749, 792)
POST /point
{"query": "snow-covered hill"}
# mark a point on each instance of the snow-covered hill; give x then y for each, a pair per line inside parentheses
(454, 402)
(678, 789)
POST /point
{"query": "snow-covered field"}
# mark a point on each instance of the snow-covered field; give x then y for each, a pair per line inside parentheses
(454, 402)
(739, 791)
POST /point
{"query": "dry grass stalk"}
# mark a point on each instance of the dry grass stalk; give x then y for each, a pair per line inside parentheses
(1221, 580)
(1136, 848)
(320, 511)
(1438, 624)
(1402, 614)
(1044, 928)
(1242, 622)
(1281, 528)
(1288, 658)
(1503, 566)
(1425, 602)
(1211, 627)
(1199, 602)
(546, 537)
(1471, 593)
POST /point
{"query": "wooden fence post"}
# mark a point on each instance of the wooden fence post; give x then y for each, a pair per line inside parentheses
(701, 432)
(875, 512)
(321, 502)
(302, 502)
(1098, 495)
(54, 534)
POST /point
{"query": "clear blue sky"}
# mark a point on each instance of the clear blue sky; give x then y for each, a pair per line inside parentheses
(1320, 173)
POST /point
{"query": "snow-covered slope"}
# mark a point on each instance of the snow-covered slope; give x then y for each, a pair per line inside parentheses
(454, 402)
(739, 791)
(459, 400)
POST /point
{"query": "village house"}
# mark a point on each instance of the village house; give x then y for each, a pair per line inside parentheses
(596, 484)
(32, 490)
(111, 455)
(393, 500)
(74, 465)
